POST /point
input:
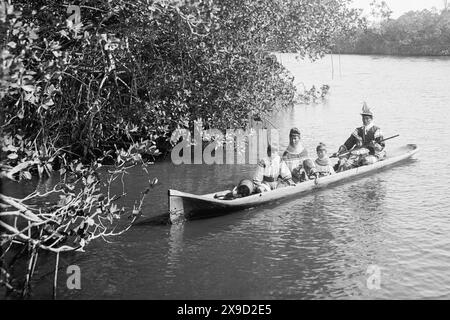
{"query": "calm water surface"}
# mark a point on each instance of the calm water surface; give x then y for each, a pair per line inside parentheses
(316, 247)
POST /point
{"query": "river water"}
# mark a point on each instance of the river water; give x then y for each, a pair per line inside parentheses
(393, 226)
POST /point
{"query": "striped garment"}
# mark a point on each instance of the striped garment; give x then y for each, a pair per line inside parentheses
(268, 171)
(324, 167)
(295, 157)
(367, 135)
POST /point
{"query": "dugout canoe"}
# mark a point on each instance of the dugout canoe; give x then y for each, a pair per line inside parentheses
(186, 206)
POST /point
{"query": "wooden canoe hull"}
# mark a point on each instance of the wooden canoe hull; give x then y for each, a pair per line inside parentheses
(185, 206)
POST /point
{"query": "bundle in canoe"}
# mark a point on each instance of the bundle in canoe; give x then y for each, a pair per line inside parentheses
(185, 206)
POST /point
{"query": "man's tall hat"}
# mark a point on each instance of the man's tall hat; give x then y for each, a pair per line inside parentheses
(366, 110)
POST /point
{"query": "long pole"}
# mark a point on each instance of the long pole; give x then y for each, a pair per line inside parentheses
(335, 155)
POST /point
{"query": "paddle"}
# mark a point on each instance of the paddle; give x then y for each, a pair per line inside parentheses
(335, 155)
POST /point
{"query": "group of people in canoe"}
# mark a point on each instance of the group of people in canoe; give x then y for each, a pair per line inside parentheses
(364, 146)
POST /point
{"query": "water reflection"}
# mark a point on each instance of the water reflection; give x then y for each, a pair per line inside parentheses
(367, 197)
(175, 249)
(46, 184)
(322, 257)
(332, 243)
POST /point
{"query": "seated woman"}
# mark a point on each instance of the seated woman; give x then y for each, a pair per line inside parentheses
(269, 171)
(297, 159)
(323, 163)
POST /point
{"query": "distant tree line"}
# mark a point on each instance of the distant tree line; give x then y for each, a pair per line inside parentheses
(424, 33)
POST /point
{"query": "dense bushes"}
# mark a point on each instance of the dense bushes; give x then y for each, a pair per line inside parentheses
(414, 33)
(130, 70)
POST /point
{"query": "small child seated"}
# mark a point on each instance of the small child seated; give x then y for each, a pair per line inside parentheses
(323, 163)
(305, 171)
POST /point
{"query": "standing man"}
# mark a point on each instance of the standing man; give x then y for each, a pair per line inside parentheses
(365, 144)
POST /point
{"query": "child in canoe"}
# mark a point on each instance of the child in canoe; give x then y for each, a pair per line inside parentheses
(323, 163)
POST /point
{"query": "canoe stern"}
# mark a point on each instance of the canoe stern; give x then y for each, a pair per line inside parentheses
(176, 207)
(185, 206)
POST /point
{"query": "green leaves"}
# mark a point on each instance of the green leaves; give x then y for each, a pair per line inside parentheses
(28, 88)
(414, 33)
(26, 175)
(139, 70)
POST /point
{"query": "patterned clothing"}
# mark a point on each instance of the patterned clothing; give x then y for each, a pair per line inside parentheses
(357, 158)
(370, 134)
(324, 167)
(269, 170)
(295, 157)
(298, 162)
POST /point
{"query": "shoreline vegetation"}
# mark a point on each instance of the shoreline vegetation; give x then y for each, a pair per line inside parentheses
(412, 55)
(107, 82)
(415, 33)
